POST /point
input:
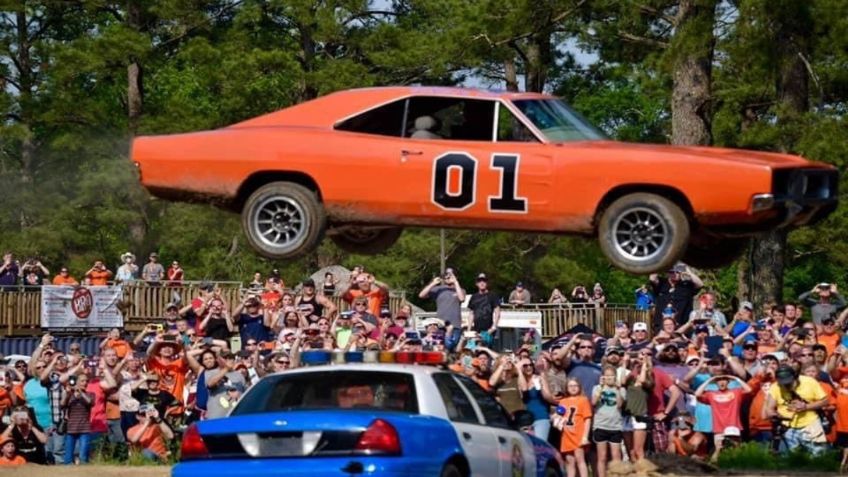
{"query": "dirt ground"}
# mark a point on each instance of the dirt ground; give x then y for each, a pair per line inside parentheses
(87, 471)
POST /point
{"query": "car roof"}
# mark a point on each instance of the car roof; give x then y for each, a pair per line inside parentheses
(325, 111)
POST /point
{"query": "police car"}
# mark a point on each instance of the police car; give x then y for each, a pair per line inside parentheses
(372, 413)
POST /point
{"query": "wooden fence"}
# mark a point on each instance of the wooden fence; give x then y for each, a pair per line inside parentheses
(557, 319)
(20, 310)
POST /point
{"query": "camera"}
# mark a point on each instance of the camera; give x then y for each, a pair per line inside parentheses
(72, 380)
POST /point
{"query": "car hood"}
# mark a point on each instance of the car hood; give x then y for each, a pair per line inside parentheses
(667, 152)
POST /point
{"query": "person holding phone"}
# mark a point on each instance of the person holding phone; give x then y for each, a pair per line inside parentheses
(824, 301)
(98, 274)
(607, 422)
(77, 405)
(29, 439)
(448, 294)
(151, 435)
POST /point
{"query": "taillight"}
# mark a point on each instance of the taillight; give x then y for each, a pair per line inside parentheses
(379, 438)
(193, 446)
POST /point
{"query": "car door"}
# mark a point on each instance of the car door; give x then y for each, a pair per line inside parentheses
(478, 441)
(514, 453)
(459, 173)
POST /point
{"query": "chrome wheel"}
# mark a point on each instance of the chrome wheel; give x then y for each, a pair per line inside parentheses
(640, 234)
(280, 222)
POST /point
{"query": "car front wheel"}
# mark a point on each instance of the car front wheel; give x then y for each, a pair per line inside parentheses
(643, 233)
(283, 220)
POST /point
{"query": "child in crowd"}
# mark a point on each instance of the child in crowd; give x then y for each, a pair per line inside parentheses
(574, 419)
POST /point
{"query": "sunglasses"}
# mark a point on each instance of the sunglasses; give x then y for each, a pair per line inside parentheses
(251, 343)
(694, 363)
(282, 362)
(806, 355)
(360, 304)
(585, 347)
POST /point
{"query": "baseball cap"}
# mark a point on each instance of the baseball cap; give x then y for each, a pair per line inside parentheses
(308, 283)
(668, 311)
(640, 326)
(171, 306)
(828, 320)
(206, 286)
(614, 350)
(481, 277)
(785, 375)
(746, 305)
(678, 268)
(519, 284)
(692, 358)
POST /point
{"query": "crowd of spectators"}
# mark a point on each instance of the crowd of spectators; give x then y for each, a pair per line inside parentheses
(32, 273)
(692, 381)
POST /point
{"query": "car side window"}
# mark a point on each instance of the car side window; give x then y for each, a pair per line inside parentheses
(511, 129)
(493, 412)
(386, 120)
(457, 404)
(460, 119)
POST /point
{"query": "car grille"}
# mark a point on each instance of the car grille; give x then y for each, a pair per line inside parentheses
(805, 186)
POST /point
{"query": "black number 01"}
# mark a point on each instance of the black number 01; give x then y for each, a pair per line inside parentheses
(465, 197)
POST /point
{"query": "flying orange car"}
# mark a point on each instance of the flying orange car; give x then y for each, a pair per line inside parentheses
(359, 165)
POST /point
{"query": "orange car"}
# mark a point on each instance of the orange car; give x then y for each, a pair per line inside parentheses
(360, 165)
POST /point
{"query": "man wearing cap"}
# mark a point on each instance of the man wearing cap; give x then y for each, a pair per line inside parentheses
(153, 271)
(313, 305)
(486, 307)
(678, 289)
(824, 300)
(796, 400)
(828, 336)
(448, 295)
(742, 320)
(520, 295)
(640, 337)
(220, 384)
(151, 434)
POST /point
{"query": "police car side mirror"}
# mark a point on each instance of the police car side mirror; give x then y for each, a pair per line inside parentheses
(522, 419)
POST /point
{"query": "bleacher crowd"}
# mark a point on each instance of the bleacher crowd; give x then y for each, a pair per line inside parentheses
(691, 382)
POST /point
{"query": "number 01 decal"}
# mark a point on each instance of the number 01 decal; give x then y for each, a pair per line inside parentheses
(465, 196)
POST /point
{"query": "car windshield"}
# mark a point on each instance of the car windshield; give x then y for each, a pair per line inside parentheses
(343, 389)
(557, 121)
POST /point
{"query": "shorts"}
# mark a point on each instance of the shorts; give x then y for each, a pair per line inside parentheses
(603, 435)
(841, 440)
(631, 424)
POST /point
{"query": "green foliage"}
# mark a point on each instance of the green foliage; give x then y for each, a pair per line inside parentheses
(757, 456)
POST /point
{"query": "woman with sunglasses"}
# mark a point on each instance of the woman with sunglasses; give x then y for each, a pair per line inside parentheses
(504, 383)
(537, 399)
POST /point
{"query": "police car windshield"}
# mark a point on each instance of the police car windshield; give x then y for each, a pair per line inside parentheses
(341, 389)
(557, 121)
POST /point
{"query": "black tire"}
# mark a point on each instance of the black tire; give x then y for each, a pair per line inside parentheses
(367, 241)
(451, 470)
(643, 233)
(714, 253)
(278, 209)
(551, 471)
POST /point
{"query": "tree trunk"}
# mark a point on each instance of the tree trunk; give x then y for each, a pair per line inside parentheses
(135, 88)
(693, 47)
(511, 75)
(792, 40)
(539, 59)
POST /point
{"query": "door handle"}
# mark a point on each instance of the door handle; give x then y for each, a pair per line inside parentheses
(502, 440)
(411, 152)
(467, 436)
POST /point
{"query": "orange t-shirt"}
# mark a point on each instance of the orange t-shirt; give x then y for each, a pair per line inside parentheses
(151, 439)
(829, 341)
(841, 411)
(173, 375)
(759, 390)
(99, 278)
(17, 460)
(578, 415)
(375, 297)
(764, 349)
(831, 401)
(121, 347)
(60, 280)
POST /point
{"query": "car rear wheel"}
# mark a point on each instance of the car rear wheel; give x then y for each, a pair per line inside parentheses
(283, 220)
(366, 240)
(714, 252)
(643, 233)
(451, 470)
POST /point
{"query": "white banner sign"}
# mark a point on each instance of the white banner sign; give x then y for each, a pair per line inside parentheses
(521, 319)
(81, 307)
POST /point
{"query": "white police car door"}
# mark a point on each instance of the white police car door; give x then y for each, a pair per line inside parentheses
(514, 453)
(478, 441)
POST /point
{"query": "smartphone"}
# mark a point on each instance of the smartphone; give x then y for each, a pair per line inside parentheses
(412, 335)
(169, 338)
(470, 334)
(207, 341)
(92, 363)
(714, 344)
(160, 328)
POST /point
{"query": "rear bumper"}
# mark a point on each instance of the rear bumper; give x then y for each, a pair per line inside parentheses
(329, 467)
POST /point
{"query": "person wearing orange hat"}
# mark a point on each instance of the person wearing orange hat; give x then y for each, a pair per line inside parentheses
(9, 453)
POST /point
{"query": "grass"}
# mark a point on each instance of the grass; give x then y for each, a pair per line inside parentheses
(754, 456)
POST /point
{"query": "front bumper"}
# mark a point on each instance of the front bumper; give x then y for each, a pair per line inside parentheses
(799, 197)
(300, 467)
